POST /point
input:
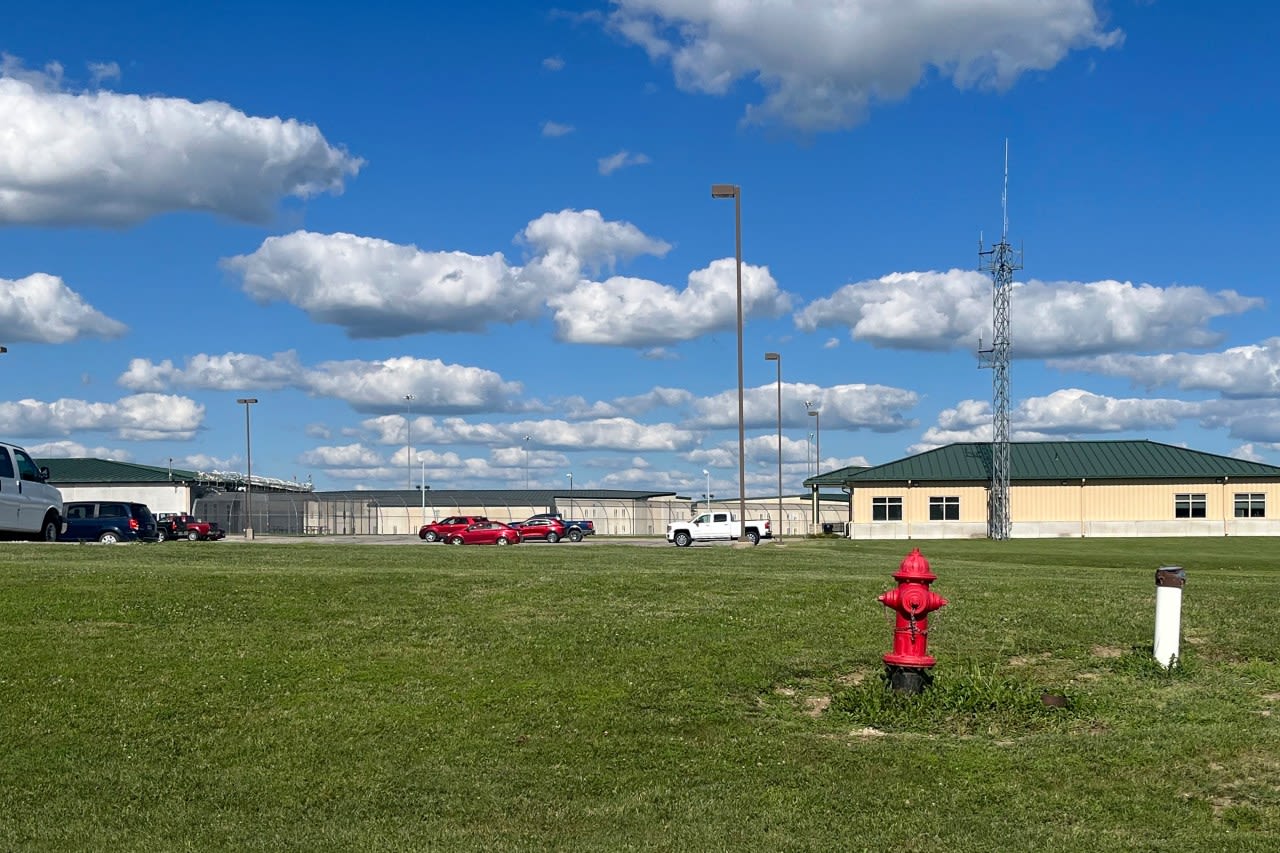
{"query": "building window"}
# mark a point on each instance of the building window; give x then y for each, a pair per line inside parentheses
(1188, 506)
(944, 509)
(1251, 505)
(886, 509)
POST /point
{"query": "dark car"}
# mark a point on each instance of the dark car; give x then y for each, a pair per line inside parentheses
(485, 533)
(439, 531)
(108, 522)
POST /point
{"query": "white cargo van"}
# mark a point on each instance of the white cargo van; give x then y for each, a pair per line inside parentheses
(29, 507)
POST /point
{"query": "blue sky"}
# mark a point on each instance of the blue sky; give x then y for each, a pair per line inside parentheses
(504, 210)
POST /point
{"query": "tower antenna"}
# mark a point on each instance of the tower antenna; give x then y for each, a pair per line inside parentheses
(1000, 260)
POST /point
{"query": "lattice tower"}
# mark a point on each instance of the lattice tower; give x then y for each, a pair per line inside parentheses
(1000, 260)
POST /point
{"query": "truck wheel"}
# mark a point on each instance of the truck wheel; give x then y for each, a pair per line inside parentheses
(553, 537)
(575, 535)
(161, 535)
(48, 530)
(192, 536)
(683, 540)
(753, 537)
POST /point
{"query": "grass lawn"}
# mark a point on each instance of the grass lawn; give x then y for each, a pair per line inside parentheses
(264, 696)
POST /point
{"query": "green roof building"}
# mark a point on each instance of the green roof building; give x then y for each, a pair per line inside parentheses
(1063, 488)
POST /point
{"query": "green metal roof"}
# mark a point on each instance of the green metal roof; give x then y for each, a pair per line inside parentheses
(838, 477)
(70, 471)
(1065, 460)
(479, 497)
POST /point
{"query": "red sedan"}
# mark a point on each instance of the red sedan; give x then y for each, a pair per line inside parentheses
(550, 529)
(485, 533)
(440, 531)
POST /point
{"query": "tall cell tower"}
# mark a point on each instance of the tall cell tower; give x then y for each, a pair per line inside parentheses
(1000, 260)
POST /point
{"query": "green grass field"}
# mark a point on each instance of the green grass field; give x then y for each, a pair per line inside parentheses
(613, 696)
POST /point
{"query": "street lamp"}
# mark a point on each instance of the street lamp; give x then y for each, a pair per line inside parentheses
(408, 440)
(423, 489)
(526, 462)
(734, 192)
(570, 476)
(707, 494)
(776, 356)
(817, 457)
(248, 464)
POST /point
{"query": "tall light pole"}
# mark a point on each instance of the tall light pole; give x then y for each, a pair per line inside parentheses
(817, 457)
(423, 488)
(570, 476)
(526, 462)
(408, 440)
(777, 356)
(734, 192)
(707, 494)
(248, 464)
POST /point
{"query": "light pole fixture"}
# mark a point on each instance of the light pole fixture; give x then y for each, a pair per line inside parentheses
(408, 440)
(734, 192)
(777, 356)
(423, 488)
(248, 464)
(526, 462)
(570, 476)
(707, 494)
(817, 457)
(4, 349)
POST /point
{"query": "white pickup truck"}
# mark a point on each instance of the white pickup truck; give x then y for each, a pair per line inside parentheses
(717, 525)
(29, 507)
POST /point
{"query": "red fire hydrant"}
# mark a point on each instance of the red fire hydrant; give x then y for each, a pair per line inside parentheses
(908, 664)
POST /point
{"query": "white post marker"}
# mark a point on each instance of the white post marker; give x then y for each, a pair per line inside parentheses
(1169, 583)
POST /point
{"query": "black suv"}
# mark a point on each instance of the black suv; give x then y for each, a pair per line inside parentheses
(108, 522)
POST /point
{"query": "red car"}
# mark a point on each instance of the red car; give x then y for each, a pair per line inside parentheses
(541, 527)
(485, 533)
(439, 531)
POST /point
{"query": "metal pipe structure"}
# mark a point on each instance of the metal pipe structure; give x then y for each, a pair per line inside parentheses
(735, 192)
(248, 463)
(408, 440)
(775, 356)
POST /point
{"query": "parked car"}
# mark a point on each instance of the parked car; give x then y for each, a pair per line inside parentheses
(485, 533)
(575, 528)
(181, 525)
(109, 522)
(439, 531)
(29, 506)
(541, 527)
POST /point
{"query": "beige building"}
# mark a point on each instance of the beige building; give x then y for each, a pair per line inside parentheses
(1065, 488)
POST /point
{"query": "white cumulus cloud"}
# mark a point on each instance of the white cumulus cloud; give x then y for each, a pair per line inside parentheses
(823, 63)
(138, 417)
(635, 312)
(952, 310)
(103, 158)
(373, 288)
(41, 308)
(1245, 371)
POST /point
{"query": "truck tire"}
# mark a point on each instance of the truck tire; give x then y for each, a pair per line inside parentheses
(753, 537)
(192, 536)
(683, 539)
(161, 535)
(553, 537)
(49, 529)
(575, 535)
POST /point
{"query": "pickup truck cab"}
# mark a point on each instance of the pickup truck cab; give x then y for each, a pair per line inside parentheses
(29, 506)
(711, 526)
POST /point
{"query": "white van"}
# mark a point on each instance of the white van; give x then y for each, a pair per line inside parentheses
(29, 507)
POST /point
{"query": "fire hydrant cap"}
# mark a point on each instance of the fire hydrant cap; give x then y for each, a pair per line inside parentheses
(915, 568)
